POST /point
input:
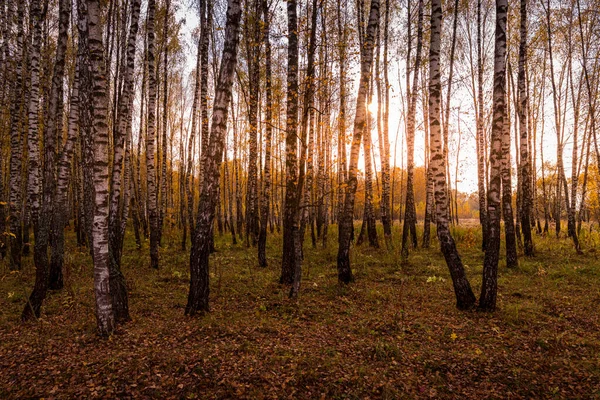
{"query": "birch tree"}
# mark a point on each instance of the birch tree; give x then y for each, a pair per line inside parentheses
(16, 141)
(347, 213)
(489, 286)
(465, 299)
(266, 193)
(202, 239)
(151, 138)
(525, 157)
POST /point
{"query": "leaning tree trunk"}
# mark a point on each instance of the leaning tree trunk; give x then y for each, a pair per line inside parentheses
(303, 185)
(202, 240)
(347, 213)
(151, 139)
(465, 299)
(525, 176)
(409, 226)
(489, 286)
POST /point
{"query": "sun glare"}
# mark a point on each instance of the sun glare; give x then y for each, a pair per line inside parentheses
(372, 107)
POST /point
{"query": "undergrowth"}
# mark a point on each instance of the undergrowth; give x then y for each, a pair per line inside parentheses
(393, 333)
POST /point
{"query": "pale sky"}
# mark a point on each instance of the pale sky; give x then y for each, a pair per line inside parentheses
(461, 99)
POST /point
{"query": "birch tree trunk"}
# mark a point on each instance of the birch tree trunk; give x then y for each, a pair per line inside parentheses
(64, 175)
(341, 138)
(465, 299)
(190, 164)
(291, 149)
(347, 215)
(489, 286)
(165, 115)
(507, 211)
(369, 211)
(51, 129)
(252, 39)
(85, 122)
(33, 147)
(117, 214)
(303, 185)
(16, 142)
(446, 117)
(591, 92)
(205, 23)
(104, 310)
(409, 226)
(481, 175)
(266, 194)
(525, 176)
(151, 139)
(202, 240)
(384, 146)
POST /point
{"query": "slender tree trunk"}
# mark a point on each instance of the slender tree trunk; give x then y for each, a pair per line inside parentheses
(465, 299)
(266, 194)
(304, 182)
(507, 210)
(62, 187)
(525, 176)
(151, 139)
(163, 175)
(384, 146)
(117, 215)
(489, 286)
(202, 240)
(409, 226)
(591, 104)
(481, 150)
(33, 148)
(360, 119)
(190, 150)
(16, 143)
(252, 40)
(291, 149)
(341, 138)
(104, 310)
(205, 24)
(369, 212)
(51, 129)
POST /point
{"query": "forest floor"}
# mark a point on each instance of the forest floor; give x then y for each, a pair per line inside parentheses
(393, 333)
